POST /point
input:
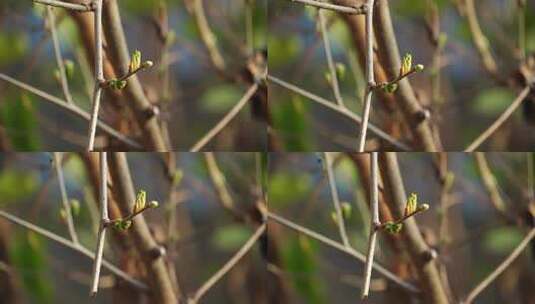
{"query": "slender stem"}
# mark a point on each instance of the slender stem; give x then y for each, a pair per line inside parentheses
(127, 75)
(403, 218)
(374, 224)
(76, 247)
(104, 219)
(336, 201)
(71, 108)
(330, 62)
(531, 172)
(397, 79)
(64, 198)
(370, 78)
(344, 111)
(99, 73)
(503, 265)
(337, 8)
(218, 179)
(490, 183)
(57, 53)
(228, 265)
(340, 247)
(225, 120)
(62, 4)
(499, 121)
(249, 25)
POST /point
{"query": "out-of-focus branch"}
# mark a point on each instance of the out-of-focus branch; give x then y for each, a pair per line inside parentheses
(228, 266)
(76, 247)
(336, 200)
(501, 268)
(64, 198)
(346, 9)
(489, 182)
(66, 5)
(421, 255)
(328, 54)
(99, 73)
(499, 121)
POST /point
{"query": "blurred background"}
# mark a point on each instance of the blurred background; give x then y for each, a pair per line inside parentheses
(191, 94)
(462, 96)
(200, 236)
(472, 237)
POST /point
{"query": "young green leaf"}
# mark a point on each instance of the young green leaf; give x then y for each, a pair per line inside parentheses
(390, 87)
(69, 68)
(122, 225)
(141, 200)
(135, 61)
(412, 204)
(406, 64)
(346, 210)
(340, 70)
(75, 207)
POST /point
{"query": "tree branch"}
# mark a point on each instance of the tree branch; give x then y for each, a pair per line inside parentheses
(375, 223)
(99, 73)
(337, 8)
(336, 201)
(62, 4)
(64, 198)
(104, 219)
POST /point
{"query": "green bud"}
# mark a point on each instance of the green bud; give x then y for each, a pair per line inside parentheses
(346, 209)
(141, 200)
(340, 70)
(419, 67)
(393, 228)
(177, 177)
(328, 77)
(69, 68)
(423, 207)
(75, 207)
(147, 64)
(63, 214)
(334, 217)
(153, 204)
(390, 87)
(57, 75)
(122, 225)
(117, 84)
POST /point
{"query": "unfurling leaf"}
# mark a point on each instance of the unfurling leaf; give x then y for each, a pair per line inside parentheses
(412, 204)
(406, 65)
(393, 228)
(390, 87)
(141, 200)
(135, 61)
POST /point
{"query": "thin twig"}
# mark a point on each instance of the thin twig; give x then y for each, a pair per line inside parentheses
(506, 263)
(228, 266)
(76, 247)
(375, 223)
(489, 182)
(337, 8)
(370, 78)
(104, 219)
(330, 62)
(62, 4)
(344, 111)
(64, 198)
(336, 201)
(73, 108)
(225, 120)
(99, 73)
(340, 247)
(499, 121)
(57, 54)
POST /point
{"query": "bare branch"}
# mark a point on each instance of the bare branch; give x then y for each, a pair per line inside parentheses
(337, 8)
(499, 121)
(62, 4)
(71, 108)
(57, 54)
(99, 73)
(340, 247)
(375, 223)
(330, 62)
(225, 120)
(344, 111)
(64, 198)
(76, 247)
(228, 266)
(336, 201)
(104, 219)
(506, 263)
(370, 78)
